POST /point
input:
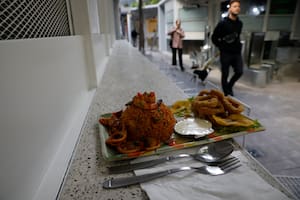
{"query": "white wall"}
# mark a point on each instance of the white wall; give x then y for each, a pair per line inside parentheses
(99, 54)
(95, 20)
(98, 43)
(46, 87)
(84, 23)
(44, 99)
(110, 19)
(93, 16)
(161, 19)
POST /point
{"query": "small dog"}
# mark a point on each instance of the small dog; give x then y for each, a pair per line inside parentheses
(202, 74)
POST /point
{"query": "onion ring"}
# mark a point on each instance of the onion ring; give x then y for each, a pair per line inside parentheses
(232, 106)
(130, 147)
(116, 138)
(217, 93)
(204, 92)
(232, 120)
(212, 111)
(207, 101)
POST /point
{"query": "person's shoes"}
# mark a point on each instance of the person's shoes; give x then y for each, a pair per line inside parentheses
(230, 92)
(182, 69)
(227, 92)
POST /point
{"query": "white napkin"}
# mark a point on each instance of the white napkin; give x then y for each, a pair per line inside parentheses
(240, 184)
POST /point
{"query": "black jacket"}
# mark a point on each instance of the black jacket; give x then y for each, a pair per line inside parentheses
(226, 35)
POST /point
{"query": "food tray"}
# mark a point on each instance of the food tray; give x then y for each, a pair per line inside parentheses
(176, 142)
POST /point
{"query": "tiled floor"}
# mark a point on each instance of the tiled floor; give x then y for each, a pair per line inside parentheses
(276, 106)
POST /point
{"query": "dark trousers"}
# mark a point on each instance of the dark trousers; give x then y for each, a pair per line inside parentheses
(227, 60)
(134, 41)
(179, 57)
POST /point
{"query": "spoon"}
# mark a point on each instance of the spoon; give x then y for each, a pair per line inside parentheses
(211, 153)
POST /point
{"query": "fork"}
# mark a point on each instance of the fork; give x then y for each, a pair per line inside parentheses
(215, 170)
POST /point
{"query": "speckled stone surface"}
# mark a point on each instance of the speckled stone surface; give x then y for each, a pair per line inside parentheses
(127, 72)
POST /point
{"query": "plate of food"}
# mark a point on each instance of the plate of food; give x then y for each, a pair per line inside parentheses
(147, 126)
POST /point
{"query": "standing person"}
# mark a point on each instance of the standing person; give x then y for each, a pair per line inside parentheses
(134, 35)
(177, 34)
(154, 39)
(226, 37)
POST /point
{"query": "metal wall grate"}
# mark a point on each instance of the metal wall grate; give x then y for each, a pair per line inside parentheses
(292, 183)
(20, 19)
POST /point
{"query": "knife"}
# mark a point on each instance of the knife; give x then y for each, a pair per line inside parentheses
(145, 164)
(126, 181)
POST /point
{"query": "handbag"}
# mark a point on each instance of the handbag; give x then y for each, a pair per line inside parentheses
(170, 43)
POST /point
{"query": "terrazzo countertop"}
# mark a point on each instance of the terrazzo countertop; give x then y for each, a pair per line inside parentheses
(127, 72)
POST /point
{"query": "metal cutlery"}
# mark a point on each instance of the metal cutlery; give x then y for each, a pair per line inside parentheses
(211, 153)
(219, 169)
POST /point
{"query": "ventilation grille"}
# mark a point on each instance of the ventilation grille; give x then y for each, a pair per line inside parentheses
(20, 19)
(292, 183)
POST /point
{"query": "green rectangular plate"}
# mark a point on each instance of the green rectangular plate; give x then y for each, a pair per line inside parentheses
(177, 142)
